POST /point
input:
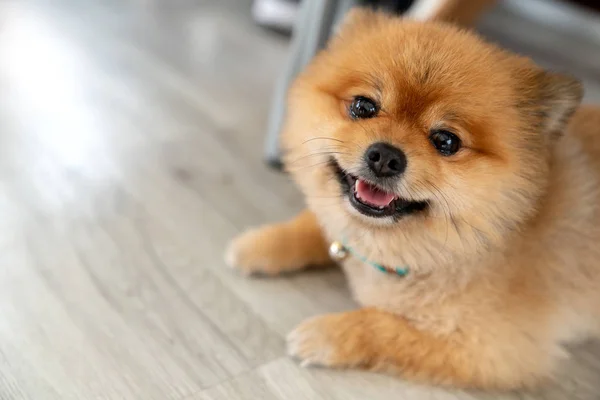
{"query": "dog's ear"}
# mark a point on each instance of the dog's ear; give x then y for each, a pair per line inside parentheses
(359, 19)
(557, 98)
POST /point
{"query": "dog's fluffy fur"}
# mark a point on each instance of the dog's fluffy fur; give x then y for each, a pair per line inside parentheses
(504, 262)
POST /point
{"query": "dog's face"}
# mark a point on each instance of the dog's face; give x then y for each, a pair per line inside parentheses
(423, 130)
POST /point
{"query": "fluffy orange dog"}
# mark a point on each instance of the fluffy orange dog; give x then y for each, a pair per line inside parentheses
(464, 185)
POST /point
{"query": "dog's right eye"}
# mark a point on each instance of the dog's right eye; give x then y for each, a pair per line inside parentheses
(446, 143)
(362, 108)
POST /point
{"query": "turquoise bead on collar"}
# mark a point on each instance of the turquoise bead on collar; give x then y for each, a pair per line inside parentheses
(339, 251)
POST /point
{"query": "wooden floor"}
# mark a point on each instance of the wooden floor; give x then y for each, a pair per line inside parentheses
(131, 137)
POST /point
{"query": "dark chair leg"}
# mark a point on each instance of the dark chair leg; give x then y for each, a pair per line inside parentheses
(311, 31)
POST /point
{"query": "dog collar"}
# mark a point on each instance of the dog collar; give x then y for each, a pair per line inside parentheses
(338, 250)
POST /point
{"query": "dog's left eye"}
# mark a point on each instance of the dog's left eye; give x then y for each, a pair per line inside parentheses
(363, 107)
(446, 143)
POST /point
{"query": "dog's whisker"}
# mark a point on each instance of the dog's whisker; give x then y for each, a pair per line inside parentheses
(297, 169)
(324, 153)
(322, 138)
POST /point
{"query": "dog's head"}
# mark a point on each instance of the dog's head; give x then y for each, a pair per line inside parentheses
(423, 130)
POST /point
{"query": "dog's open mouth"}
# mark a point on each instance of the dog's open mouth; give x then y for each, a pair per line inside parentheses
(371, 200)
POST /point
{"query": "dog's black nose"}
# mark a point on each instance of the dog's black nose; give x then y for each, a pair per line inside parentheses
(385, 160)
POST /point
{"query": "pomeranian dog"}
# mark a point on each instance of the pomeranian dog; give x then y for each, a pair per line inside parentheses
(460, 187)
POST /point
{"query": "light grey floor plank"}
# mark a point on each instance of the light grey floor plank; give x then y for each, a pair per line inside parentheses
(284, 380)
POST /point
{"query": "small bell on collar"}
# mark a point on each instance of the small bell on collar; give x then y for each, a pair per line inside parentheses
(338, 251)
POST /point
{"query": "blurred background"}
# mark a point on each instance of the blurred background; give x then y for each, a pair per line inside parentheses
(132, 148)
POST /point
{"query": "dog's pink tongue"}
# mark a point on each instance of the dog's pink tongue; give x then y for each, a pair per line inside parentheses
(372, 195)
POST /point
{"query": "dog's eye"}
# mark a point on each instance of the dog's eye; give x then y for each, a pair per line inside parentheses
(447, 143)
(362, 107)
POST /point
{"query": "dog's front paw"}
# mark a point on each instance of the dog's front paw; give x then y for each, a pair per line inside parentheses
(251, 253)
(265, 250)
(326, 341)
(279, 248)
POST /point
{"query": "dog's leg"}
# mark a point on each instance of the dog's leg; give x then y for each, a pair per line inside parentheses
(377, 340)
(279, 248)
(463, 12)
